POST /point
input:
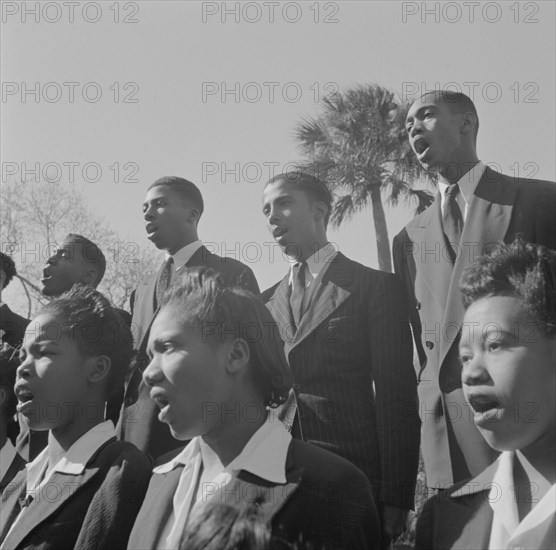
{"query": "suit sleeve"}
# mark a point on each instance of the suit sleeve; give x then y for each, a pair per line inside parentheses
(398, 424)
(113, 510)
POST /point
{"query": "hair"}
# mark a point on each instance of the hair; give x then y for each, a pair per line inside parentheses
(97, 328)
(186, 190)
(7, 265)
(521, 270)
(316, 189)
(222, 526)
(456, 101)
(221, 312)
(90, 253)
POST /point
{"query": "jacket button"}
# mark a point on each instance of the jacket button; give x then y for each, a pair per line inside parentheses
(418, 306)
(429, 344)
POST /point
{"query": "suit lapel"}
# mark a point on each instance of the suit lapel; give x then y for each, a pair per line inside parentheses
(334, 289)
(279, 306)
(487, 223)
(156, 509)
(42, 508)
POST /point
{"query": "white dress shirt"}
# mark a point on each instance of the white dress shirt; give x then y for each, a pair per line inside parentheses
(507, 532)
(317, 264)
(467, 185)
(182, 256)
(204, 476)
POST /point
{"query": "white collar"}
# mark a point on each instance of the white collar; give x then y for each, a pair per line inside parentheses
(467, 183)
(317, 261)
(183, 255)
(75, 459)
(7, 455)
(264, 455)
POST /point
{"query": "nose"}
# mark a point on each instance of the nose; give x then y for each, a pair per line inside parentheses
(415, 129)
(152, 374)
(272, 215)
(474, 372)
(23, 371)
(148, 213)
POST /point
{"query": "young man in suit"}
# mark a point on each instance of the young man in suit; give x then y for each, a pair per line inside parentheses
(172, 209)
(343, 326)
(85, 488)
(216, 370)
(509, 379)
(476, 207)
(77, 260)
(12, 329)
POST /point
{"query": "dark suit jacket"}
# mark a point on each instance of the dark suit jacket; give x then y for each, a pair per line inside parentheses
(354, 336)
(95, 509)
(139, 422)
(13, 328)
(501, 208)
(15, 467)
(325, 500)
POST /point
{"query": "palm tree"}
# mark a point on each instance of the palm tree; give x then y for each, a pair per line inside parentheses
(358, 145)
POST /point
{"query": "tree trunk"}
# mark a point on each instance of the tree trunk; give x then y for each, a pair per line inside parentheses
(381, 230)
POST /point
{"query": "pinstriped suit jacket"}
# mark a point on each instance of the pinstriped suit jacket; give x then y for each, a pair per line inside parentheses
(351, 358)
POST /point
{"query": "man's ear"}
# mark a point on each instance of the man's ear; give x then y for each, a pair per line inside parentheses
(90, 277)
(98, 368)
(194, 216)
(238, 355)
(321, 210)
(468, 123)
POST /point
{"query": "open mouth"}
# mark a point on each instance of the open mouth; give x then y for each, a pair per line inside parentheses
(420, 146)
(161, 402)
(484, 407)
(25, 397)
(45, 275)
(151, 228)
(278, 232)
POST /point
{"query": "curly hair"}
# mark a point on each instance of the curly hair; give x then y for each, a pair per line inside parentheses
(204, 300)
(7, 265)
(97, 328)
(520, 269)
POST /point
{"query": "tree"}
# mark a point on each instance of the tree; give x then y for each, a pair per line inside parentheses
(358, 145)
(34, 219)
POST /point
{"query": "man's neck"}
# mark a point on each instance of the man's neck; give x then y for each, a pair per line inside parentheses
(303, 251)
(79, 425)
(182, 244)
(457, 168)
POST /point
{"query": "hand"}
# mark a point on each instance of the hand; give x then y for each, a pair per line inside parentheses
(393, 521)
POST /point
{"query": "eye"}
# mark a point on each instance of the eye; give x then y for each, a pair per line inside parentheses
(266, 210)
(494, 346)
(465, 357)
(160, 204)
(428, 114)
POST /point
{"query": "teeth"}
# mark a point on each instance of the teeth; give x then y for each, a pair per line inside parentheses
(24, 395)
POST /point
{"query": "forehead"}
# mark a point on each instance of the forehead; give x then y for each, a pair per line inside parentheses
(46, 326)
(282, 188)
(422, 104)
(497, 311)
(160, 192)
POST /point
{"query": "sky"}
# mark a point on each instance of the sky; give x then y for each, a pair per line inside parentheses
(109, 96)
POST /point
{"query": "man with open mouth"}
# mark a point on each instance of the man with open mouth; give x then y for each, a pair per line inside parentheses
(475, 207)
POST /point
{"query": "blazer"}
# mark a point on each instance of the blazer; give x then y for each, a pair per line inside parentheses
(461, 518)
(16, 466)
(355, 388)
(95, 509)
(501, 208)
(325, 500)
(138, 421)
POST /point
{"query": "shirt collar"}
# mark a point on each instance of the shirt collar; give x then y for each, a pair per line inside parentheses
(317, 261)
(183, 255)
(467, 183)
(264, 455)
(77, 456)
(7, 455)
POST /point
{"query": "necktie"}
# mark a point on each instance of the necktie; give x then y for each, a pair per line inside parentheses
(164, 278)
(452, 219)
(296, 297)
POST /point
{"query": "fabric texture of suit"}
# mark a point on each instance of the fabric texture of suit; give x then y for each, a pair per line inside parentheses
(95, 509)
(325, 500)
(501, 208)
(351, 340)
(12, 327)
(139, 422)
